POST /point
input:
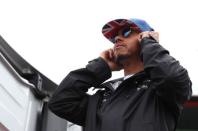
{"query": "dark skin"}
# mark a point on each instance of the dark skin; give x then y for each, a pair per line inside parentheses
(125, 53)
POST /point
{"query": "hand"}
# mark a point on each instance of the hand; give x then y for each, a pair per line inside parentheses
(153, 34)
(108, 56)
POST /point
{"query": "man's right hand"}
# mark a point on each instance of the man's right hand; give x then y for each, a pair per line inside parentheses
(108, 56)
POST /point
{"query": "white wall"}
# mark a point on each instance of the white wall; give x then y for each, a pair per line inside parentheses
(18, 106)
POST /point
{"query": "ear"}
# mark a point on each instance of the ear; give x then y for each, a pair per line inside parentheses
(139, 37)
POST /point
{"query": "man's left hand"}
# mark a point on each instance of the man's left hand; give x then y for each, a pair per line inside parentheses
(153, 34)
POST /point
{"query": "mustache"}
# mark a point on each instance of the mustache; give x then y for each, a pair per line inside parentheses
(119, 44)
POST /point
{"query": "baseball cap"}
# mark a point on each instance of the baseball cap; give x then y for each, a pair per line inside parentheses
(110, 29)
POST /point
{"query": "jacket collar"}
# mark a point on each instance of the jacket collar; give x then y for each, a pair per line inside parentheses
(136, 77)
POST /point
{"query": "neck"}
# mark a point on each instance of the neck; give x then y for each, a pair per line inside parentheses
(132, 66)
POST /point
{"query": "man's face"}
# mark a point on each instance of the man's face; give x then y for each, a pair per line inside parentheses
(126, 47)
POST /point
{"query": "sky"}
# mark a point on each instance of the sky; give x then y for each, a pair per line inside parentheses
(58, 36)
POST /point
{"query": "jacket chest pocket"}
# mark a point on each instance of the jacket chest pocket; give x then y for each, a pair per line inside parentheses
(137, 88)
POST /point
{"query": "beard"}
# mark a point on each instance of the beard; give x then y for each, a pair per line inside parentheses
(119, 59)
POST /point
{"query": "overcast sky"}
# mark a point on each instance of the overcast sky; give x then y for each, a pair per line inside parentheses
(57, 36)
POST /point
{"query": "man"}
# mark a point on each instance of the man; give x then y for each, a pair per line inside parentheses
(148, 98)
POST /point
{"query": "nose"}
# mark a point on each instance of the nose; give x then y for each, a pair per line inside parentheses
(118, 39)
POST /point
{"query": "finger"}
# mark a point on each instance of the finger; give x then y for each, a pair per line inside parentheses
(111, 53)
(107, 54)
(155, 35)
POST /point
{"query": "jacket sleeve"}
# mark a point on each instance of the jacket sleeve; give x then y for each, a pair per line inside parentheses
(170, 79)
(70, 99)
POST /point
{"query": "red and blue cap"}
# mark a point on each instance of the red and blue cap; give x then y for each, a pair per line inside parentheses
(111, 28)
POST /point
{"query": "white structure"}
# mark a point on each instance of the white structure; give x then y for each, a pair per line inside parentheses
(18, 106)
(24, 94)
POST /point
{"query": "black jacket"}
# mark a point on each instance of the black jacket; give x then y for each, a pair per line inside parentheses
(150, 100)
